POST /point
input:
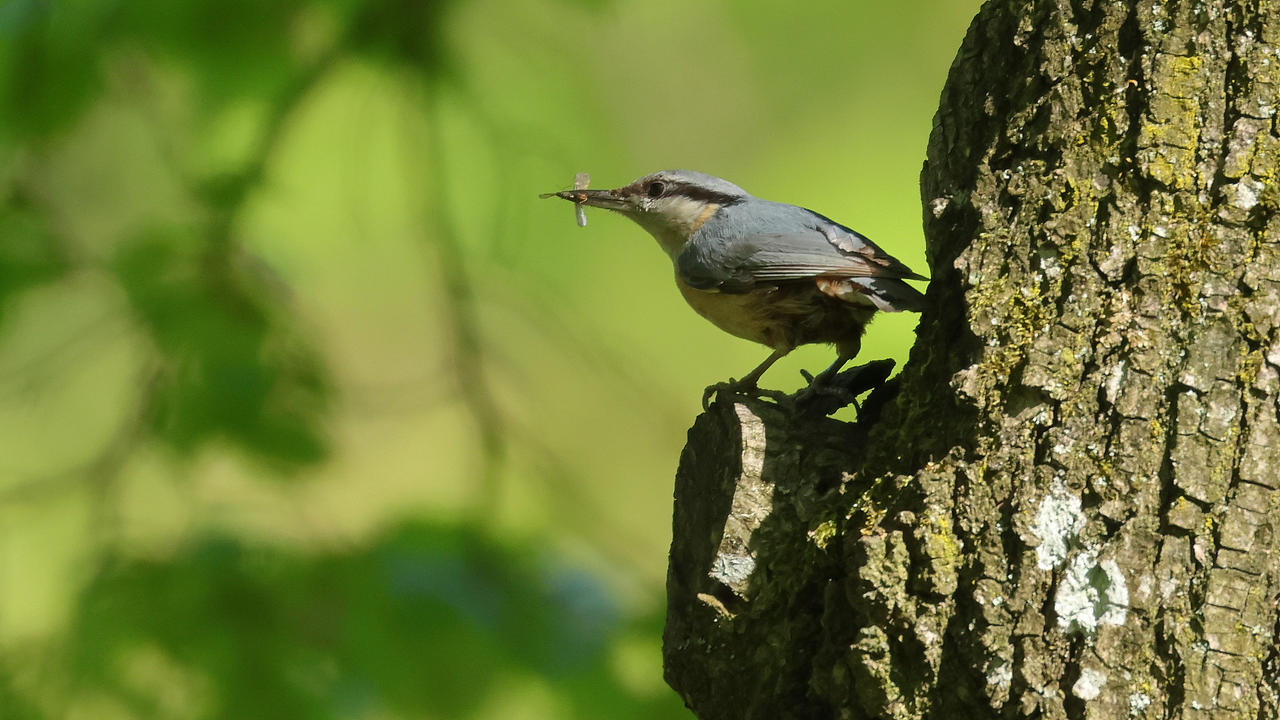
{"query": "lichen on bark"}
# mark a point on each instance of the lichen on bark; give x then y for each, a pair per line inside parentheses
(1067, 512)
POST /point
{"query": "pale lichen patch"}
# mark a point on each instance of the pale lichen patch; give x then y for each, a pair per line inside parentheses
(1246, 193)
(733, 569)
(1089, 685)
(1058, 522)
(1001, 675)
(1138, 702)
(1091, 594)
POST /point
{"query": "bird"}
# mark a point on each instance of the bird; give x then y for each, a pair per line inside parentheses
(777, 274)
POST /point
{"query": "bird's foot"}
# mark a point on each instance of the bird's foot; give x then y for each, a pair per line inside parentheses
(746, 388)
(825, 395)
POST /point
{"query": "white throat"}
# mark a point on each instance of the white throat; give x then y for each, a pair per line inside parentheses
(672, 220)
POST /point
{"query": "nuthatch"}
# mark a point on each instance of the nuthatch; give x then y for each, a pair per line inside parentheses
(770, 272)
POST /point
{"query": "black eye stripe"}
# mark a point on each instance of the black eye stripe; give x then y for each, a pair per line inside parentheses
(702, 194)
(673, 188)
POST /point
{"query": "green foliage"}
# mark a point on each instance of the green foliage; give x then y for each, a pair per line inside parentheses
(427, 619)
(13, 703)
(52, 53)
(407, 32)
(231, 363)
(235, 48)
(48, 63)
(29, 256)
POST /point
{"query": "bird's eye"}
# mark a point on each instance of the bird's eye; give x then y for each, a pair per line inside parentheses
(655, 189)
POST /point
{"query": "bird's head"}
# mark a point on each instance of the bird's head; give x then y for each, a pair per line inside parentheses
(670, 204)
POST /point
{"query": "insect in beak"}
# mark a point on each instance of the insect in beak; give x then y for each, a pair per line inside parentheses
(580, 182)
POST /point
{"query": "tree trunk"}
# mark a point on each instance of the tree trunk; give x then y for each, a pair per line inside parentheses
(1068, 510)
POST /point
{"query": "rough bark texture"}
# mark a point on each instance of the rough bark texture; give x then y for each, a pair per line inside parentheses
(1069, 511)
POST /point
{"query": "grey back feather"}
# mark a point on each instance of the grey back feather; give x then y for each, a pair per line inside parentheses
(759, 241)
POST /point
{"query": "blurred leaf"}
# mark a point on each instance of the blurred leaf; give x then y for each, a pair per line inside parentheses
(51, 53)
(235, 367)
(424, 621)
(409, 32)
(29, 256)
(48, 62)
(233, 48)
(13, 706)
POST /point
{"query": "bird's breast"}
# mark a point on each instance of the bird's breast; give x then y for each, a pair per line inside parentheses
(780, 316)
(739, 314)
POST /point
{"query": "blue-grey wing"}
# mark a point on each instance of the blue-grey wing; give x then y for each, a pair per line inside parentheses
(730, 258)
(841, 251)
(718, 266)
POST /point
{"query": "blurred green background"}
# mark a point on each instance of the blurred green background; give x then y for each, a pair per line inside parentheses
(309, 408)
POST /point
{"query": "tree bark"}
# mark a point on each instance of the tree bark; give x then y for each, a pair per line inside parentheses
(1068, 511)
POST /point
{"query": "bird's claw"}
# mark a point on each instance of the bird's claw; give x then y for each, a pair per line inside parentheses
(715, 389)
(811, 396)
(826, 395)
(738, 387)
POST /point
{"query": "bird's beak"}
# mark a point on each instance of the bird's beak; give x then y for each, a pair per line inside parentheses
(607, 199)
